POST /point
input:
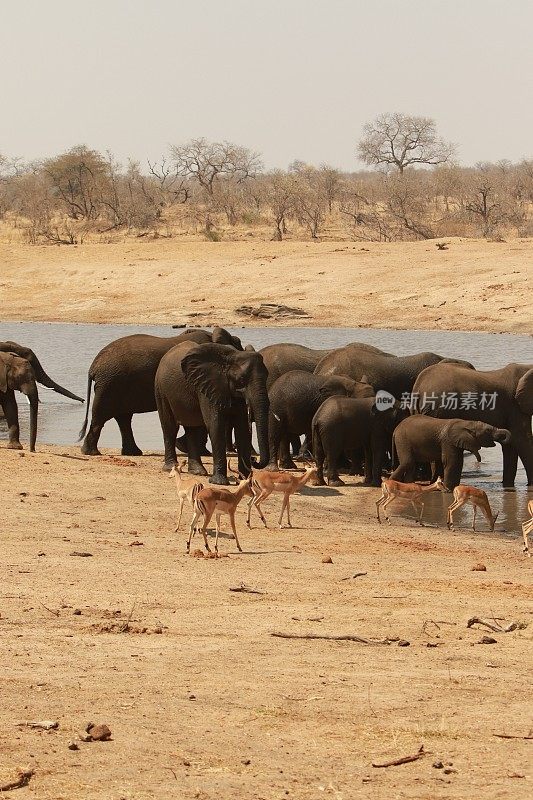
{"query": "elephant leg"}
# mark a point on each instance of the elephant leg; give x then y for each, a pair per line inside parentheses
(129, 446)
(405, 471)
(295, 445)
(376, 455)
(274, 438)
(453, 469)
(181, 444)
(510, 464)
(230, 446)
(525, 453)
(318, 455)
(100, 415)
(437, 470)
(217, 434)
(195, 438)
(243, 442)
(11, 414)
(306, 448)
(170, 429)
(332, 471)
(285, 460)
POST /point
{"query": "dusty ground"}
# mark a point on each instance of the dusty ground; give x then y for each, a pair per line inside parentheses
(213, 706)
(474, 285)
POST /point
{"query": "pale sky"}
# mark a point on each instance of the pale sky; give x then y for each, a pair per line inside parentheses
(288, 78)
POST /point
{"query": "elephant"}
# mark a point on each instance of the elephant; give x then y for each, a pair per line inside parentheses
(295, 397)
(347, 424)
(284, 357)
(500, 397)
(17, 373)
(40, 375)
(123, 373)
(421, 439)
(394, 374)
(208, 386)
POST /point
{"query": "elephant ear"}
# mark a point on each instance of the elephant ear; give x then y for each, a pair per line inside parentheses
(3, 375)
(206, 369)
(460, 435)
(222, 336)
(524, 393)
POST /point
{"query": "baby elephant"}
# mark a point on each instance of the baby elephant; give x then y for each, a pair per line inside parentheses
(295, 397)
(441, 442)
(347, 424)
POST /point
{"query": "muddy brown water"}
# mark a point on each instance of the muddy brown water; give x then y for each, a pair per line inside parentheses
(66, 351)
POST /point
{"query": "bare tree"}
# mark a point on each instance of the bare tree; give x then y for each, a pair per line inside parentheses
(409, 202)
(310, 199)
(279, 190)
(207, 162)
(400, 140)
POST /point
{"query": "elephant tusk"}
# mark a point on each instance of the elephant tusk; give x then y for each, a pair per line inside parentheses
(276, 417)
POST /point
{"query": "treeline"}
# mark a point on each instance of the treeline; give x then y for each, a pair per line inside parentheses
(220, 190)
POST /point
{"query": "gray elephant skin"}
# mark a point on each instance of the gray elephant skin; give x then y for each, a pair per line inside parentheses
(209, 386)
(441, 442)
(38, 370)
(394, 374)
(285, 357)
(295, 397)
(346, 424)
(16, 373)
(123, 374)
(512, 387)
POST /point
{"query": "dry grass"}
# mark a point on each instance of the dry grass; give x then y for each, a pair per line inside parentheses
(213, 706)
(474, 285)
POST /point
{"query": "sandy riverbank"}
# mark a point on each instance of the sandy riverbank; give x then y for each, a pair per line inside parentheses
(213, 706)
(474, 285)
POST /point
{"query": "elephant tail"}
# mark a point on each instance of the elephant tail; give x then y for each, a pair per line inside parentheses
(395, 462)
(86, 420)
(318, 448)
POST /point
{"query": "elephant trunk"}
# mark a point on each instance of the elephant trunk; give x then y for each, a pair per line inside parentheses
(32, 394)
(259, 404)
(502, 435)
(44, 379)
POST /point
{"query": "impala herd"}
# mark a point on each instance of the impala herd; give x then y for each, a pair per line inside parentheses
(260, 484)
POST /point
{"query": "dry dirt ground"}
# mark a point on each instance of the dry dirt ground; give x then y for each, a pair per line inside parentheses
(473, 285)
(212, 705)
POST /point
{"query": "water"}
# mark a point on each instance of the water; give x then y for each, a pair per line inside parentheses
(66, 351)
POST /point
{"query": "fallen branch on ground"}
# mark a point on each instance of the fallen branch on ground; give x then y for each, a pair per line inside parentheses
(23, 778)
(50, 610)
(243, 588)
(404, 760)
(345, 637)
(355, 575)
(494, 626)
(513, 736)
(45, 725)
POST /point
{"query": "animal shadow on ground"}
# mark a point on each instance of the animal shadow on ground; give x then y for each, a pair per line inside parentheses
(321, 491)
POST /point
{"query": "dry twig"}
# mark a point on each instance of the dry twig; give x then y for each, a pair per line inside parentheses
(346, 637)
(404, 760)
(495, 626)
(513, 736)
(243, 588)
(355, 575)
(50, 610)
(23, 778)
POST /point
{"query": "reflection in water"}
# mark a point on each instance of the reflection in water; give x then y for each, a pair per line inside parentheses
(66, 351)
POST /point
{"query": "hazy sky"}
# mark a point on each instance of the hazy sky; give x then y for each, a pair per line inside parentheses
(289, 78)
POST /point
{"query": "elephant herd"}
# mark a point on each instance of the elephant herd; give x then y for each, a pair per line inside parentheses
(435, 408)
